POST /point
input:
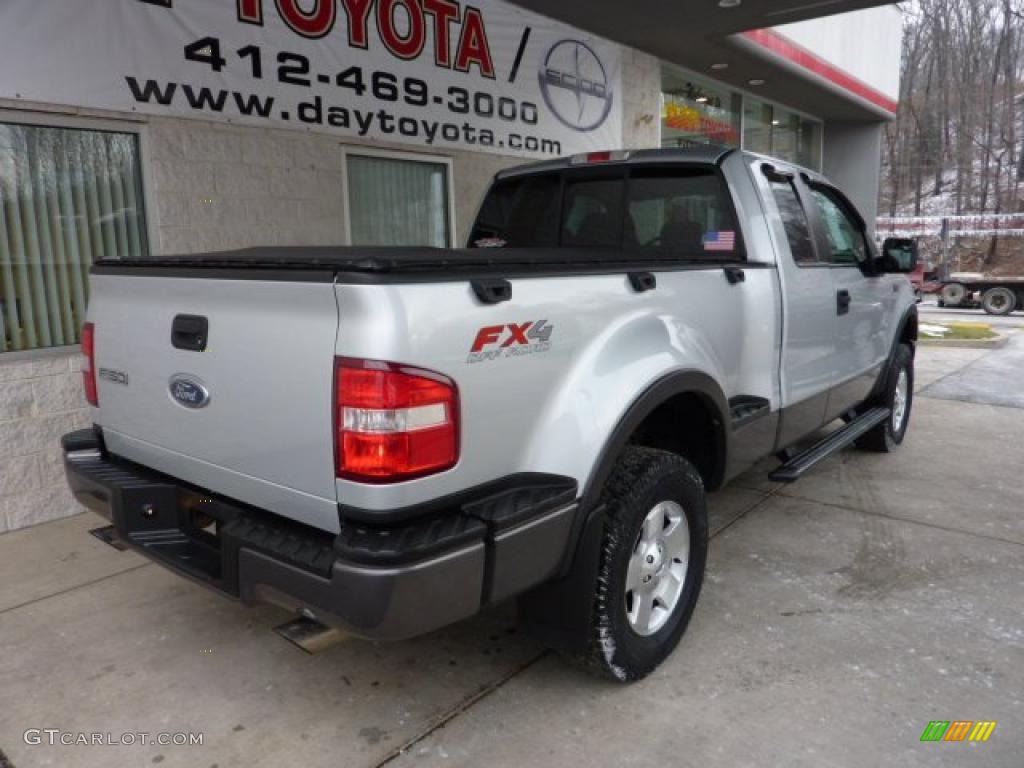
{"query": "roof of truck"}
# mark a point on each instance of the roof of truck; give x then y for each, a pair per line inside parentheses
(705, 153)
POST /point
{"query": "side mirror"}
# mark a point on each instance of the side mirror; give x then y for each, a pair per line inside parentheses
(899, 256)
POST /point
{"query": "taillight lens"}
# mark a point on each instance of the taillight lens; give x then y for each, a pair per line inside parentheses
(393, 422)
(89, 364)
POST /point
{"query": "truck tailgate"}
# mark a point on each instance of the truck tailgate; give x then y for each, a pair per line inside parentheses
(264, 435)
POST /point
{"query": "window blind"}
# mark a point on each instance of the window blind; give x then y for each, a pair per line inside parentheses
(67, 198)
(397, 202)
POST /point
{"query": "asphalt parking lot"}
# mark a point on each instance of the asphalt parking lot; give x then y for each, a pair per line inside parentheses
(840, 615)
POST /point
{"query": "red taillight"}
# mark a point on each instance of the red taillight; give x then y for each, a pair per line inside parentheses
(89, 364)
(599, 157)
(393, 422)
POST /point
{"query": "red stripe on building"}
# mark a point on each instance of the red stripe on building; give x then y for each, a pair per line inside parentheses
(781, 46)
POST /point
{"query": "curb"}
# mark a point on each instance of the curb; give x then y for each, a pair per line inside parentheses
(1001, 340)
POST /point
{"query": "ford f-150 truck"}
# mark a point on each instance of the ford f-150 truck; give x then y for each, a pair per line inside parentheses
(390, 439)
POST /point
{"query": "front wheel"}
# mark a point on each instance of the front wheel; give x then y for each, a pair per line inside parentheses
(898, 397)
(653, 553)
(953, 294)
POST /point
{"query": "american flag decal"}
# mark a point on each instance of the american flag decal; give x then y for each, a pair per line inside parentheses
(724, 240)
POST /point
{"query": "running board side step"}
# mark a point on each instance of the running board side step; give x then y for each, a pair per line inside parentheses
(792, 470)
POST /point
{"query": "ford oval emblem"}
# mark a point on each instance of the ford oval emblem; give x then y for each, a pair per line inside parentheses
(188, 392)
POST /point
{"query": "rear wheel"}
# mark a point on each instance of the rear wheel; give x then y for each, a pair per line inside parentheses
(653, 553)
(998, 301)
(898, 396)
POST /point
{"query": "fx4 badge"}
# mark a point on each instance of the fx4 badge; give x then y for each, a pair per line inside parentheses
(512, 340)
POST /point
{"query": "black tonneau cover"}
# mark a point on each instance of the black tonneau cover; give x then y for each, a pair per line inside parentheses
(383, 264)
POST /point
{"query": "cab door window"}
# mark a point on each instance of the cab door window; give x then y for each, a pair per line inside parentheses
(842, 234)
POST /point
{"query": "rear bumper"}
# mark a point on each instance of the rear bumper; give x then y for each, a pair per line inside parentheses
(380, 582)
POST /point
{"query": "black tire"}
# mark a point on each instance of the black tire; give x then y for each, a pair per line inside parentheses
(641, 480)
(954, 294)
(998, 301)
(885, 437)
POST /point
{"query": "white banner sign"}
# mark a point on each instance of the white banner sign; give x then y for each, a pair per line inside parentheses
(440, 73)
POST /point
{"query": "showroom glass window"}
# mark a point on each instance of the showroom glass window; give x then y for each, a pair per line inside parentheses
(68, 197)
(782, 133)
(394, 201)
(695, 111)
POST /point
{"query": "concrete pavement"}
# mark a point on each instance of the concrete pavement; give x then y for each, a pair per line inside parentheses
(990, 379)
(840, 615)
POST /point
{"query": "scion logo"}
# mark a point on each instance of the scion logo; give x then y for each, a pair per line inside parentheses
(575, 85)
(512, 340)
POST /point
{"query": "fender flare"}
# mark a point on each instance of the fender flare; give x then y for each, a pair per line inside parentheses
(559, 612)
(910, 315)
(665, 388)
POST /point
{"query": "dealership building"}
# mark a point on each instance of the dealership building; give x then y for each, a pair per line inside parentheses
(136, 128)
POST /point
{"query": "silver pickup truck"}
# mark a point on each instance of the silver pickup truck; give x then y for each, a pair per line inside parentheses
(391, 439)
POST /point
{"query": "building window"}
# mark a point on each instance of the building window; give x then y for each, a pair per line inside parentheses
(696, 111)
(782, 133)
(68, 197)
(398, 199)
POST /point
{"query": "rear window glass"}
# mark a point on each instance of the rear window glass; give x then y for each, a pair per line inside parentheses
(519, 213)
(684, 212)
(592, 213)
(659, 212)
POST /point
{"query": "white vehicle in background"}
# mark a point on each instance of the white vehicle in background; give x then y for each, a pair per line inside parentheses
(391, 439)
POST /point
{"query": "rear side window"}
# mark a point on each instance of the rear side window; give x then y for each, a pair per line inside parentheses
(794, 219)
(520, 213)
(685, 212)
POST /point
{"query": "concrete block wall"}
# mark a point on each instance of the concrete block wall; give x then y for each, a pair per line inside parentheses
(40, 400)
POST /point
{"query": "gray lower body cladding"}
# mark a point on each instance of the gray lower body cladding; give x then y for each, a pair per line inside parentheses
(379, 582)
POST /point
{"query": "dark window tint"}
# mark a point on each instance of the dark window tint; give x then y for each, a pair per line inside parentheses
(519, 213)
(681, 212)
(592, 213)
(844, 237)
(794, 219)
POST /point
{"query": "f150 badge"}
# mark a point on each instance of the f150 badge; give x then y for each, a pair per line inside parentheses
(511, 340)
